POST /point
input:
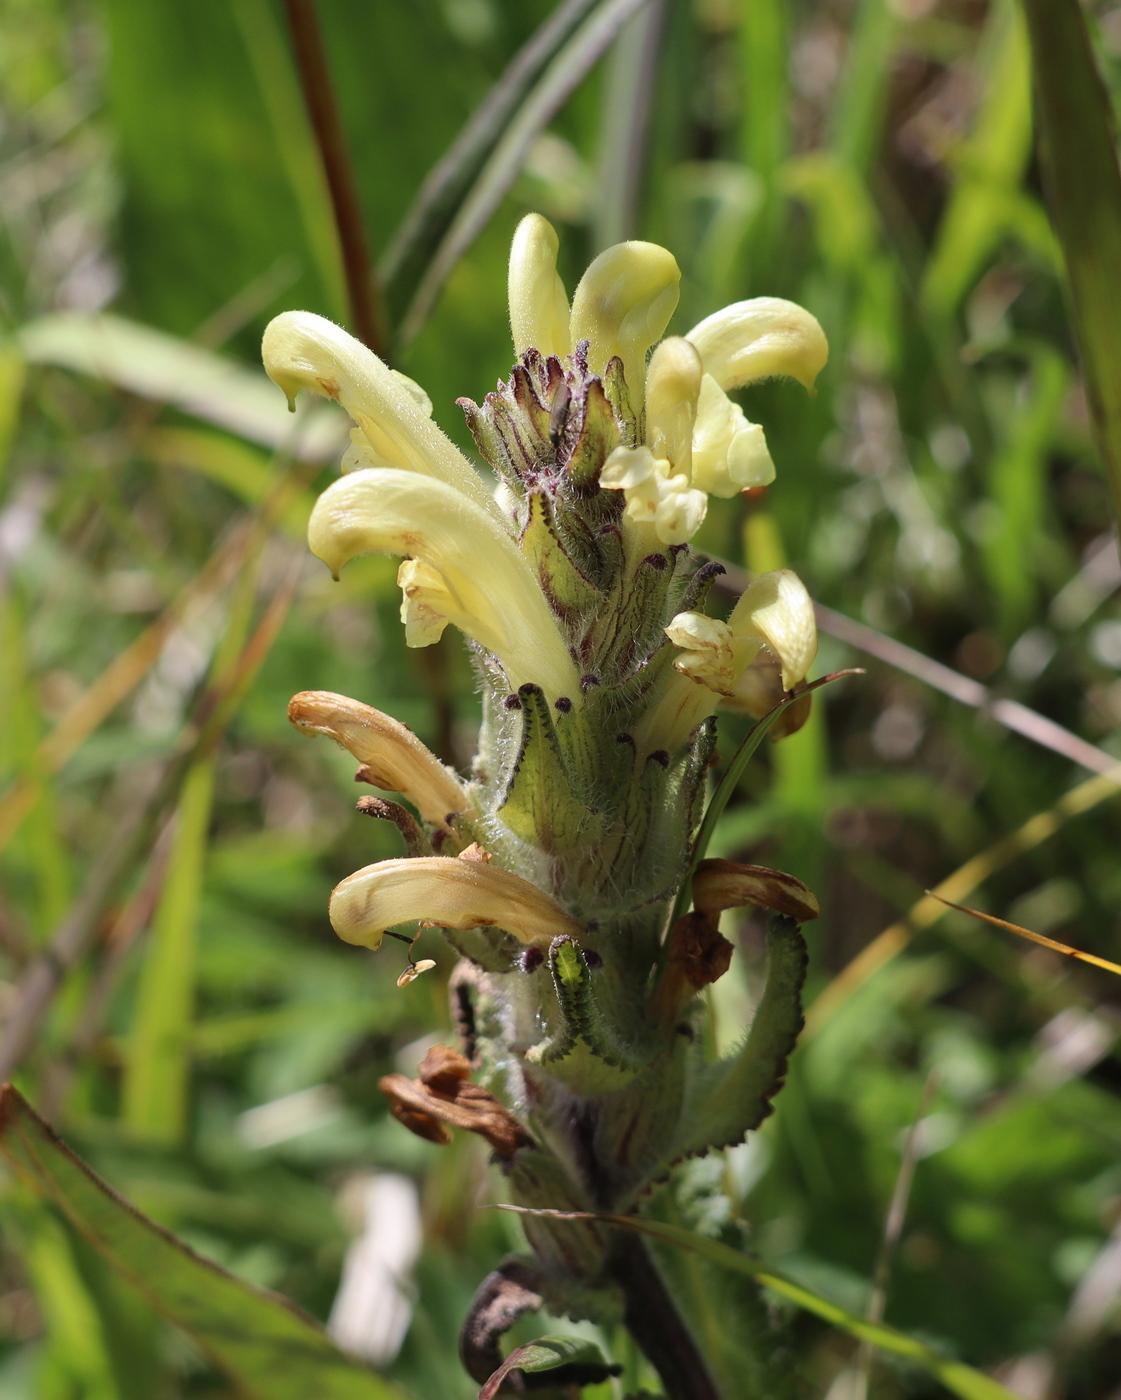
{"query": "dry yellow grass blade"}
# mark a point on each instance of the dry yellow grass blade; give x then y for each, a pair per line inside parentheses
(119, 678)
(1040, 938)
(125, 672)
(928, 910)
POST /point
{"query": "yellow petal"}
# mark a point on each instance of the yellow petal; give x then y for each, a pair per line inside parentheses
(623, 305)
(777, 611)
(673, 386)
(394, 757)
(450, 893)
(729, 453)
(538, 302)
(304, 351)
(707, 650)
(489, 590)
(759, 339)
(425, 603)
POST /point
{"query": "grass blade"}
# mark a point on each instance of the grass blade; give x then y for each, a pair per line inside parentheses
(295, 144)
(1083, 187)
(928, 910)
(439, 198)
(557, 84)
(956, 1376)
(265, 1345)
(732, 774)
(155, 1088)
(1034, 937)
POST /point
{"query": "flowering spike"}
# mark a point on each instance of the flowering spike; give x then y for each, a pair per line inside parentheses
(760, 339)
(623, 304)
(392, 756)
(538, 302)
(477, 573)
(448, 893)
(305, 351)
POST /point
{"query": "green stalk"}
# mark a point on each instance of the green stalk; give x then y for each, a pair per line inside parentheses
(1083, 188)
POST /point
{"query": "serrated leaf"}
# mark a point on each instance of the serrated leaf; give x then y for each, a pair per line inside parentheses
(581, 1361)
(733, 1097)
(261, 1341)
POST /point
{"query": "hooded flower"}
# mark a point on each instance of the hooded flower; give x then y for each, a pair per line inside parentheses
(775, 612)
(448, 892)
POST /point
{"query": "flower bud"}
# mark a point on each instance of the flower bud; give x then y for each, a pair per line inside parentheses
(475, 574)
(622, 306)
(538, 302)
(392, 756)
(760, 339)
(448, 893)
(305, 351)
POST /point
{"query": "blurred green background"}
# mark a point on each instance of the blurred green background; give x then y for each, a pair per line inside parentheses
(212, 1049)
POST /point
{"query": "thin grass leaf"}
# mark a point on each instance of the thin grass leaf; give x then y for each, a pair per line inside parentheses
(732, 774)
(625, 128)
(990, 165)
(267, 1347)
(157, 1066)
(926, 912)
(439, 198)
(12, 375)
(557, 84)
(765, 133)
(956, 1376)
(855, 121)
(242, 470)
(1083, 187)
(165, 369)
(1028, 933)
(159, 1052)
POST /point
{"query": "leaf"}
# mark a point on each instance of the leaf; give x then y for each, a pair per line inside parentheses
(439, 198)
(582, 1362)
(158, 1067)
(990, 166)
(734, 1096)
(262, 1342)
(956, 1376)
(165, 369)
(557, 84)
(1083, 188)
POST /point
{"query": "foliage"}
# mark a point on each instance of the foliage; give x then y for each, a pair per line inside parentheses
(201, 1037)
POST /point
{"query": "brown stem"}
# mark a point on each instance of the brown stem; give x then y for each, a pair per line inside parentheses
(654, 1322)
(315, 78)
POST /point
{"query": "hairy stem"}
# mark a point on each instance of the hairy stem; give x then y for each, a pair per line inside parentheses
(654, 1322)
